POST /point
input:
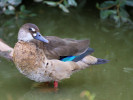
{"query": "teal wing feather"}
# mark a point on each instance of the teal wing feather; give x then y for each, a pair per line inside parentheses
(79, 57)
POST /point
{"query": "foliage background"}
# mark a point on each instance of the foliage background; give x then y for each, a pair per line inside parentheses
(117, 10)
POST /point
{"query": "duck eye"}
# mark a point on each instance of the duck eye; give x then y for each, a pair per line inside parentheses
(32, 29)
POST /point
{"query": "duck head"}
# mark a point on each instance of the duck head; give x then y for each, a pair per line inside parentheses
(29, 32)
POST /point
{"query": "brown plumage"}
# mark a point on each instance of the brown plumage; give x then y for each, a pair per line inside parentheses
(40, 62)
(62, 47)
(29, 58)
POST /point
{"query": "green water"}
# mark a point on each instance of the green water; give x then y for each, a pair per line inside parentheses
(111, 81)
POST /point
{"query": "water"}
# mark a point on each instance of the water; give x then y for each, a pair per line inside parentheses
(111, 81)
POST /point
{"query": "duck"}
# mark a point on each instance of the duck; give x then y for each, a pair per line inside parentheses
(50, 58)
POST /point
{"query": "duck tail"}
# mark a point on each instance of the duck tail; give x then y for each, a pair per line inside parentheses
(84, 60)
(101, 61)
(90, 60)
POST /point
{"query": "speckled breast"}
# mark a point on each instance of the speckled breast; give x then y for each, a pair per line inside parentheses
(30, 61)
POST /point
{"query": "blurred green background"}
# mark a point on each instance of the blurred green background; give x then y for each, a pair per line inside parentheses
(111, 40)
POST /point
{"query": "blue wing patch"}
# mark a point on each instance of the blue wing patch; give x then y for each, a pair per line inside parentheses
(79, 57)
(69, 58)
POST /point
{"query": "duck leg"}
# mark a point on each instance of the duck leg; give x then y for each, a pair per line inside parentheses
(55, 84)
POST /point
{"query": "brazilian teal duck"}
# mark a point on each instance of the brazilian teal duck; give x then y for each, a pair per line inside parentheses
(50, 58)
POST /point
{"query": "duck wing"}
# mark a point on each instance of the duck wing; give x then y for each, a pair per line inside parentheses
(58, 48)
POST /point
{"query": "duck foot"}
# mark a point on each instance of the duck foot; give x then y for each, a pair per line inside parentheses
(55, 84)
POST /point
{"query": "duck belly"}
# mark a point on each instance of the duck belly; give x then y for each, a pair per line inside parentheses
(40, 75)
